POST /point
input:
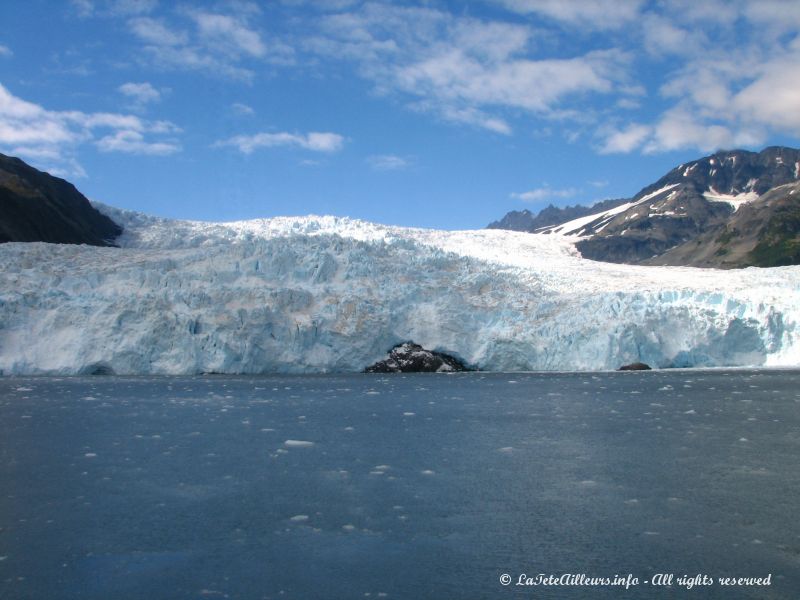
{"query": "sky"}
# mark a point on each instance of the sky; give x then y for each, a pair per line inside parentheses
(426, 113)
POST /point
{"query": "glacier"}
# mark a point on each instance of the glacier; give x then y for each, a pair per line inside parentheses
(332, 294)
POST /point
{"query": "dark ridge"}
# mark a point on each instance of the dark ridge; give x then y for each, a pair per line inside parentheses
(525, 220)
(37, 207)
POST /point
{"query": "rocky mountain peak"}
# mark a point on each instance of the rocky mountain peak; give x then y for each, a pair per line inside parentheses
(733, 172)
(717, 211)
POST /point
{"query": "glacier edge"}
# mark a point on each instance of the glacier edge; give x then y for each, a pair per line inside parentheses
(326, 294)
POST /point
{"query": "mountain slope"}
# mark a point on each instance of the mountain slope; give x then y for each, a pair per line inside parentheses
(525, 220)
(712, 212)
(37, 207)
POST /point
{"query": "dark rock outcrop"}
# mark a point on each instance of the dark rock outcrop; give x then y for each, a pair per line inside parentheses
(637, 366)
(37, 207)
(409, 357)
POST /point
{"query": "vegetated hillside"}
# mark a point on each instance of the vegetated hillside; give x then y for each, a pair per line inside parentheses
(37, 207)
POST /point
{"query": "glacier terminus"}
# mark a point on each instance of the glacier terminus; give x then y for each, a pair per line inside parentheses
(330, 294)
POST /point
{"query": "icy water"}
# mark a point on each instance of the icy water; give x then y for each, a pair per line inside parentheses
(406, 487)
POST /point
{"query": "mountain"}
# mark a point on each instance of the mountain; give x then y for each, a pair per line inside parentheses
(525, 220)
(325, 294)
(730, 209)
(37, 207)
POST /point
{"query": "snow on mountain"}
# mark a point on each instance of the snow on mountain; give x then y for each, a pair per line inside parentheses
(318, 294)
(735, 200)
(577, 227)
(689, 217)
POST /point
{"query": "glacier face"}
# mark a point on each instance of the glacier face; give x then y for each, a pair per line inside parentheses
(321, 294)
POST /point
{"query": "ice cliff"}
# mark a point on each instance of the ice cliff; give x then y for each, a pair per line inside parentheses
(317, 294)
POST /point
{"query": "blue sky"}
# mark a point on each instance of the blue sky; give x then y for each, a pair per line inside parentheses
(427, 113)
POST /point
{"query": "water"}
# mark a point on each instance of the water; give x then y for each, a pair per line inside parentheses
(418, 486)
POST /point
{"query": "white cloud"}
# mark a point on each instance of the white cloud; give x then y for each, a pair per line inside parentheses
(228, 34)
(388, 162)
(731, 77)
(464, 69)
(210, 42)
(467, 115)
(84, 8)
(780, 15)
(678, 128)
(662, 36)
(123, 8)
(625, 140)
(543, 193)
(715, 12)
(5, 51)
(633, 75)
(314, 141)
(133, 142)
(772, 99)
(154, 31)
(591, 14)
(113, 8)
(242, 109)
(140, 93)
(52, 138)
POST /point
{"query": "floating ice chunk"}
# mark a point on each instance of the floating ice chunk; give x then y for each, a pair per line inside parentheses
(299, 518)
(506, 449)
(298, 444)
(349, 527)
(90, 455)
(428, 472)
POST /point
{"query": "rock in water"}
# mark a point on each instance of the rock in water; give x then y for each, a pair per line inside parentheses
(409, 357)
(637, 366)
